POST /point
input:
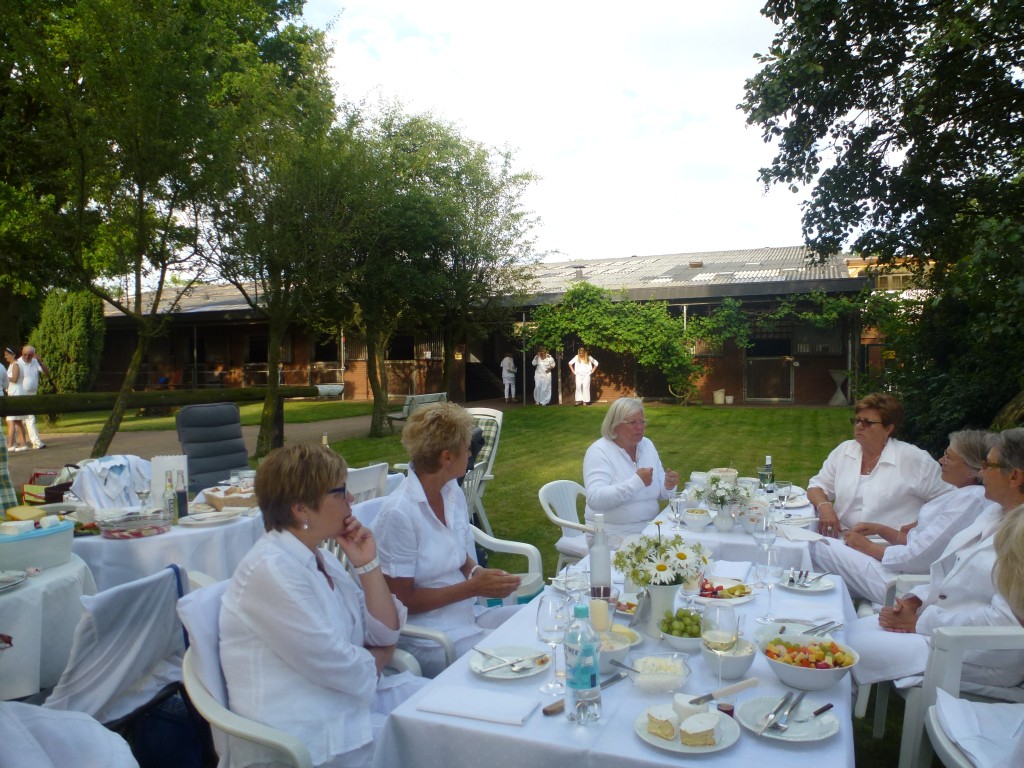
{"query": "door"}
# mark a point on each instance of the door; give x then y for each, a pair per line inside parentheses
(768, 379)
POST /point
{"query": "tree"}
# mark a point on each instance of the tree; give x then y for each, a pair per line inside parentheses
(905, 119)
(143, 135)
(70, 339)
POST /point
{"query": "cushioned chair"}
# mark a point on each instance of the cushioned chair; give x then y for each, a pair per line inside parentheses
(475, 482)
(211, 437)
(560, 501)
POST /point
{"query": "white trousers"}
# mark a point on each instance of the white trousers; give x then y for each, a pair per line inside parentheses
(33, 433)
(510, 388)
(583, 388)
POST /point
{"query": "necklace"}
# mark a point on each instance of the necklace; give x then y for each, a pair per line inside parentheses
(868, 466)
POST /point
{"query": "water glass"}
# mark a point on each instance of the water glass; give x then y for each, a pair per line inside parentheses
(552, 621)
(769, 571)
(783, 489)
(719, 631)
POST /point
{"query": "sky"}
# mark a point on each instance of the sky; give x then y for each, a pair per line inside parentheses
(626, 113)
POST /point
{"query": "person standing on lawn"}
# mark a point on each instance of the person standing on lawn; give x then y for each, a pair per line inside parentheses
(31, 366)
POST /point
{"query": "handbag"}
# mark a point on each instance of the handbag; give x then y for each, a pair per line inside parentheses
(54, 493)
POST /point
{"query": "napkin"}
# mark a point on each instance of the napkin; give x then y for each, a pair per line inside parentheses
(986, 733)
(725, 569)
(797, 533)
(478, 704)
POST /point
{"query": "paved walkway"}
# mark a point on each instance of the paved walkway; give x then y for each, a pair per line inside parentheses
(70, 448)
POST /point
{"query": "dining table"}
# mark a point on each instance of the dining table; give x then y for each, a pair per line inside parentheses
(417, 734)
(214, 548)
(41, 614)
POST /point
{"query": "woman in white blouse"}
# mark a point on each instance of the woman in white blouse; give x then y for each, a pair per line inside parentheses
(867, 565)
(874, 477)
(425, 544)
(583, 367)
(622, 472)
(302, 645)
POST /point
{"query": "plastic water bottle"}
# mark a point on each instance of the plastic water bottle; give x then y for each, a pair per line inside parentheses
(600, 556)
(582, 658)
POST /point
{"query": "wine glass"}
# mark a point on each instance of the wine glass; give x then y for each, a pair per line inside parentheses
(719, 631)
(769, 571)
(552, 621)
(674, 505)
(783, 489)
(143, 500)
(764, 533)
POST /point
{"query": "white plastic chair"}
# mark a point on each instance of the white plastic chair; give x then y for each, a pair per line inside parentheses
(945, 665)
(367, 482)
(560, 501)
(475, 482)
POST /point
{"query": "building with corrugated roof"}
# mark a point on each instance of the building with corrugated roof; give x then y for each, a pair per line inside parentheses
(217, 339)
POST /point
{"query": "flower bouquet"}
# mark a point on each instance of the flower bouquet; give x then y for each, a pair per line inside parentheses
(661, 560)
(717, 494)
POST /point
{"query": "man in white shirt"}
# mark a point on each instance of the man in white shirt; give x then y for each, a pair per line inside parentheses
(31, 366)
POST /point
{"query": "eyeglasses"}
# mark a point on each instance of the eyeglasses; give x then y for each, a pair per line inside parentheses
(635, 422)
(986, 464)
(863, 422)
(340, 489)
(948, 456)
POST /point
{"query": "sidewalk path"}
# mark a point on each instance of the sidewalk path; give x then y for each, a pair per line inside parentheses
(70, 448)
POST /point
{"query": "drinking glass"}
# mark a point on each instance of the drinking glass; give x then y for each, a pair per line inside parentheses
(765, 477)
(674, 510)
(552, 621)
(769, 571)
(783, 489)
(143, 500)
(764, 534)
(719, 631)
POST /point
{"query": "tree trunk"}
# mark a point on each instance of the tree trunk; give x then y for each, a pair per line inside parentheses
(377, 373)
(447, 357)
(113, 423)
(270, 436)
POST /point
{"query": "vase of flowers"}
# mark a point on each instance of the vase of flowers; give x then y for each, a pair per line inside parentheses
(717, 494)
(661, 564)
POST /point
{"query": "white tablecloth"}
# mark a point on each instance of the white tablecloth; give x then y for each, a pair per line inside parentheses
(214, 549)
(738, 545)
(41, 615)
(415, 738)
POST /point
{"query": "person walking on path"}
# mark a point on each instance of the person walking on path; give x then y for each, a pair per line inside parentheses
(543, 364)
(15, 424)
(31, 366)
(508, 377)
(582, 367)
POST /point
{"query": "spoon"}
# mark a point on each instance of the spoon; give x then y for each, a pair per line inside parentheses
(617, 663)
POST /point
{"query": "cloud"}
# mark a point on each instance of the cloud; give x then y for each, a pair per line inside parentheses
(628, 114)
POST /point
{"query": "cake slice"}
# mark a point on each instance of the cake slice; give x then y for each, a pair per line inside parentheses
(662, 721)
(699, 730)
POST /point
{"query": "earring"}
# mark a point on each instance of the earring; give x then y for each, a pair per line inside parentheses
(305, 525)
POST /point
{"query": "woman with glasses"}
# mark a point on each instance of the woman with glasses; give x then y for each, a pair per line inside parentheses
(623, 474)
(425, 543)
(302, 644)
(874, 477)
(867, 566)
(961, 592)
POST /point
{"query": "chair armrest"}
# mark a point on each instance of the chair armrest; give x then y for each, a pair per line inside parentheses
(402, 467)
(223, 719)
(198, 580)
(900, 585)
(439, 637)
(403, 661)
(532, 554)
(575, 526)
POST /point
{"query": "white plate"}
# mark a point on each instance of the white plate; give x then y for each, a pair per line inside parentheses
(11, 579)
(577, 582)
(729, 732)
(821, 585)
(730, 600)
(750, 712)
(207, 518)
(478, 662)
(797, 503)
(629, 597)
(634, 637)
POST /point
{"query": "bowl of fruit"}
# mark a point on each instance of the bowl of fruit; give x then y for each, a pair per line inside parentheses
(807, 662)
(681, 630)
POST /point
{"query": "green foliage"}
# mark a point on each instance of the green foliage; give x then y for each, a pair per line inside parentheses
(70, 339)
(647, 332)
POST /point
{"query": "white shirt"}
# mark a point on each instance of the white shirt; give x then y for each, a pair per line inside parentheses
(413, 543)
(614, 488)
(892, 494)
(543, 365)
(940, 520)
(29, 375)
(508, 368)
(292, 648)
(581, 368)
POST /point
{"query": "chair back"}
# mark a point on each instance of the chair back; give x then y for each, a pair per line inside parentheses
(560, 501)
(367, 482)
(489, 420)
(128, 646)
(211, 437)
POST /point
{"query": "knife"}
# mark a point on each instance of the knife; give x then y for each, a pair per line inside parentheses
(734, 688)
(535, 658)
(791, 707)
(816, 578)
(773, 715)
(559, 706)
